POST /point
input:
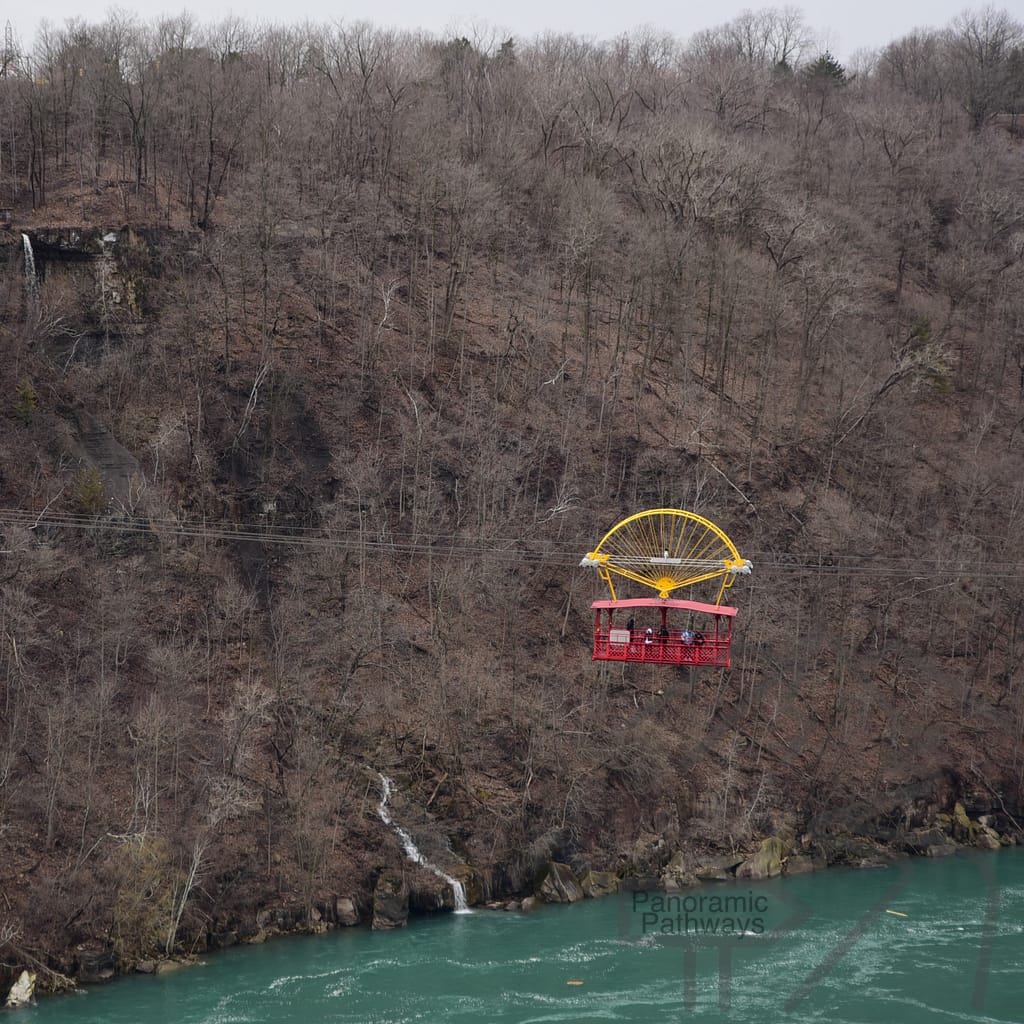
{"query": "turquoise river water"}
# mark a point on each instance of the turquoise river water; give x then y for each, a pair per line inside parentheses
(924, 941)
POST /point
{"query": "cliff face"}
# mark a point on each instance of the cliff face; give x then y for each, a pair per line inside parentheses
(299, 473)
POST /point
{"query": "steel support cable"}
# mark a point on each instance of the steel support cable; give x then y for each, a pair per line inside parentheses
(510, 550)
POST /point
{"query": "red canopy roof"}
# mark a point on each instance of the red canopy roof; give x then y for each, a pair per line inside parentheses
(656, 602)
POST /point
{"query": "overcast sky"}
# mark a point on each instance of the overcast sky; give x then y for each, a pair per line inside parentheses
(842, 27)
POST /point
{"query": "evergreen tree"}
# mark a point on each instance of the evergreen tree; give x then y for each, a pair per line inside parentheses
(826, 68)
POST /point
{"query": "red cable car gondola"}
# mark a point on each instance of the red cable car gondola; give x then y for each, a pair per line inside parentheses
(665, 549)
(701, 636)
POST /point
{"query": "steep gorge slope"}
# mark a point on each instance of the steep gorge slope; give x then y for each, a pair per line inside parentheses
(300, 469)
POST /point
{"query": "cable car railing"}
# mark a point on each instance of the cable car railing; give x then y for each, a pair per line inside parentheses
(674, 649)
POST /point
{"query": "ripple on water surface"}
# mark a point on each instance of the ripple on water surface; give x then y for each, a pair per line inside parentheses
(952, 952)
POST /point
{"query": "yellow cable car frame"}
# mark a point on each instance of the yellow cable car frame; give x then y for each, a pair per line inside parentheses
(666, 549)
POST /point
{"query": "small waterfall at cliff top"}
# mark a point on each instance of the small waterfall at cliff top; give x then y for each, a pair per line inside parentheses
(412, 850)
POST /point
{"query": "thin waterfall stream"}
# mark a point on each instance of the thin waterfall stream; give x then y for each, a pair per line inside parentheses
(31, 280)
(412, 851)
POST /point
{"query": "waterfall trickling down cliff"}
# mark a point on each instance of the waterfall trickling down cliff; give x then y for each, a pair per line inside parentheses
(412, 851)
(30, 265)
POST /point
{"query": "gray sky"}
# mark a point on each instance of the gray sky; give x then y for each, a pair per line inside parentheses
(843, 27)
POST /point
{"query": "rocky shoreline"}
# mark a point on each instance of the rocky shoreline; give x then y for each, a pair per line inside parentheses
(394, 898)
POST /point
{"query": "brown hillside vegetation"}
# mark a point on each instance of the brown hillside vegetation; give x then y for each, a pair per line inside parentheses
(344, 346)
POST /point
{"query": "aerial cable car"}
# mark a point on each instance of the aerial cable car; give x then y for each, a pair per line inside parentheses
(665, 549)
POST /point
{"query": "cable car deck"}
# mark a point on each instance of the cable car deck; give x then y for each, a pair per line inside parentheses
(700, 634)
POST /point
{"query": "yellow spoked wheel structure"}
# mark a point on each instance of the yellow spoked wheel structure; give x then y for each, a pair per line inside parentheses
(666, 549)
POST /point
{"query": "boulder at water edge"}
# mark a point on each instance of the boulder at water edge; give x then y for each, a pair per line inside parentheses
(558, 884)
(767, 862)
(929, 842)
(987, 838)
(802, 864)
(718, 869)
(21, 991)
(599, 883)
(677, 874)
(97, 963)
(390, 903)
(347, 912)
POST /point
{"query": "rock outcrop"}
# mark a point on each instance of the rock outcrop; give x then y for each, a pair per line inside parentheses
(558, 884)
(767, 862)
(718, 869)
(677, 874)
(596, 884)
(97, 962)
(390, 902)
(22, 991)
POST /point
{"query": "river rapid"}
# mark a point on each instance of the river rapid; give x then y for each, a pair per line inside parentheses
(922, 941)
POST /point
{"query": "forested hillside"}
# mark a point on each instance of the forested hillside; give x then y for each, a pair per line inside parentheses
(330, 351)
